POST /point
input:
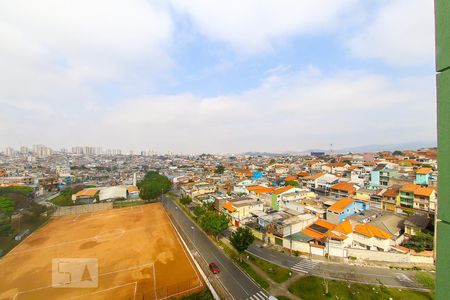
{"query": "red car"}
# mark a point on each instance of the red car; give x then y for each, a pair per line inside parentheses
(214, 268)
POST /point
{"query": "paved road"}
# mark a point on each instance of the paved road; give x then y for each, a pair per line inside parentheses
(363, 274)
(239, 285)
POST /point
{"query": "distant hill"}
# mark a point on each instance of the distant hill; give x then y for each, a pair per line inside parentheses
(357, 149)
(389, 147)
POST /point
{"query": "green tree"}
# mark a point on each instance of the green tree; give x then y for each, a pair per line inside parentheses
(5, 226)
(241, 239)
(213, 223)
(420, 242)
(398, 152)
(220, 169)
(185, 200)
(153, 185)
(6, 206)
(291, 183)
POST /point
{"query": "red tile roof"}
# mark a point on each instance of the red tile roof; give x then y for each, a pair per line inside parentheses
(344, 186)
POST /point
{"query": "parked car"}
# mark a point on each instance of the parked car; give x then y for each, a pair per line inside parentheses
(214, 268)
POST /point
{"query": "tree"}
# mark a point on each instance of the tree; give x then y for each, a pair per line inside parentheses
(153, 185)
(398, 153)
(291, 183)
(6, 206)
(213, 223)
(220, 169)
(185, 200)
(5, 226)
(420, 242)
(241, 239)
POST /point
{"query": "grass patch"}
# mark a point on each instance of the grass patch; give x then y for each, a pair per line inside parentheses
(244, 266)
(256, 277)
(276, 273)
(426, 280)
(65, 197)
(312, 287)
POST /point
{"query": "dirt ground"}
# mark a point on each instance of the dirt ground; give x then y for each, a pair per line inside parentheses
(139, 256)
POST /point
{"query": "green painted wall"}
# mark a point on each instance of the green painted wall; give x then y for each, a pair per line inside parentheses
(442, 9)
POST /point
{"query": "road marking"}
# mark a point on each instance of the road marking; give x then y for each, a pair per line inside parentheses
(304, 266)
(403, 278)
(258, 296)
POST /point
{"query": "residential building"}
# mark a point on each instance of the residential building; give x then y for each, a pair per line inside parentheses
(418, 198)
(423, 176)
(367, 236)
(343, 189)
(344, 208)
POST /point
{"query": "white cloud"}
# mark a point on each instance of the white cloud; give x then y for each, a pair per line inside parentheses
(401, 33)
(254, 26)
(292, 112)
(55, 55)
(54, 51)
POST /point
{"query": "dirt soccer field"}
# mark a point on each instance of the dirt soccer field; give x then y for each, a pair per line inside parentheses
(138, 253)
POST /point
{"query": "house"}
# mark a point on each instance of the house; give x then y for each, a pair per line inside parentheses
(343, 189)
(392, 224)
(344, 208)
(419, 198)
(287, 194)
(335, 168)
(415, 224)
(320, 182)
(423, 176)
(133, 191)
(370, 237)
(85, 196)
(239, 210)
(257, 191)
(382, 175)
(244, 173)
(339, 239)
(202, 189)
(241, 186)
(390, 199)
(220, 200)
(317, 231)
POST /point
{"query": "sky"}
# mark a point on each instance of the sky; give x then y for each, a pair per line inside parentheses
(221, 76)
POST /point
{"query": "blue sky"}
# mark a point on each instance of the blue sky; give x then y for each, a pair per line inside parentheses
(216, 76)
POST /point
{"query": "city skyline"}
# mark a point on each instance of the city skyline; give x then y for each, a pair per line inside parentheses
(176, 75)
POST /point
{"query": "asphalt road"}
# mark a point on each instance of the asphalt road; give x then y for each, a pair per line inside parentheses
(238, 284)
(362, 274)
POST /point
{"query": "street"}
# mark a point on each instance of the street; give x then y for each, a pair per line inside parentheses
(361, 274)
(238, 284)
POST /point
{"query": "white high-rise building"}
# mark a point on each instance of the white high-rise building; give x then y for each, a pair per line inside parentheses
(9, 151)
(24, 150)
(41, 151)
